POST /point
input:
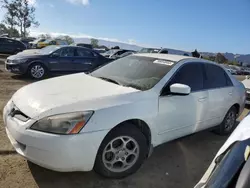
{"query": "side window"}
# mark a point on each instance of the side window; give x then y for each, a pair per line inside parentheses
(215, 77)
(229, 81)
(9, 41)
(67, 52)
(2, 40)
(190, 74)
(83, 53)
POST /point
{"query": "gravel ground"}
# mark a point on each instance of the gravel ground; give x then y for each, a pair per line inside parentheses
(177, 164)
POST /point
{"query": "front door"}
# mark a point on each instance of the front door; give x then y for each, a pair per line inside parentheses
(180, 115)
(63, 60)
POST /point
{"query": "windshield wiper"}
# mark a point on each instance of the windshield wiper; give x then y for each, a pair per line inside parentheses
(110, 80)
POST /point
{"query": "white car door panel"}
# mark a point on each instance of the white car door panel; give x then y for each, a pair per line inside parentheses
(219, 103)
(182, 115)
(220, 91)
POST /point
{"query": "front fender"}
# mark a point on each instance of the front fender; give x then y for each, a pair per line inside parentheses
(108, 118)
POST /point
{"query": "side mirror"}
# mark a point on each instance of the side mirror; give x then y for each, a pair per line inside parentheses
(180, 89)
(55, 55)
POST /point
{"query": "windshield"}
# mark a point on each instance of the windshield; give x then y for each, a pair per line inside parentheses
(138, 72)
(49, 49)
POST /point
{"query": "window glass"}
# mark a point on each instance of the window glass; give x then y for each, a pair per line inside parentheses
(215, 77)
(190, 74)
(67, 52)
(136, 71)
(83, 53)
(229, 82)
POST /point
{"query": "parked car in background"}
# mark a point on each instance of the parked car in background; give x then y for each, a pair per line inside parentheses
(115, 53)
(84, 45)
(49, 42)
(149, 50)
(100, 50)
(154, 50)
(246, 83)
(231, 166)
(34, 43)
(111, 119)
(126, 54)
(61, 59)
(11, 46)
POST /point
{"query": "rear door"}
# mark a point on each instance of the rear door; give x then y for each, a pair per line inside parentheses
(7, 46)
(85, 60)
(63, 61)
(220, 91)
(1, 45)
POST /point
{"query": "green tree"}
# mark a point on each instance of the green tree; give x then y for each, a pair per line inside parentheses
(12, 32)
(11, 14)
(94, 43)
(68, 39)
(44, 36)
(220, 58)
(21, 14)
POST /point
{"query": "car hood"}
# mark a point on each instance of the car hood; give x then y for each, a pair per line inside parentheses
(76, 92)
(242, 132)
(25, 55)
(246, 83)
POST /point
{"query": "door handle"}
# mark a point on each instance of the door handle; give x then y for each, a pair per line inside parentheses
(230, 93)
(201, 99)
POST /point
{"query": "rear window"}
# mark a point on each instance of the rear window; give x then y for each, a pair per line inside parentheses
(216, 77)
(136, 71)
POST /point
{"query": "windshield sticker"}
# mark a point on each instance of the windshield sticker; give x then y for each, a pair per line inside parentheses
(163, 62)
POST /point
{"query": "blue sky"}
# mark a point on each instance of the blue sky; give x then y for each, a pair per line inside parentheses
(208, 25)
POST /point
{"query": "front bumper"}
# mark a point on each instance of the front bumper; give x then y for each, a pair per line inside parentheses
(248, 98)
(16, 68)
(63, 153)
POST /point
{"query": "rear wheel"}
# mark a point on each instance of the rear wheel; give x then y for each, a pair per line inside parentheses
(229, 122)
(37, 71)
(122, 152)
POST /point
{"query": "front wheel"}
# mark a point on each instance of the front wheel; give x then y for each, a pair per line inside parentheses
(37, 71)
(122, 152)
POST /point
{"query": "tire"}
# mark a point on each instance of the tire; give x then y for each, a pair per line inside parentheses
(229, 123)
(37, 71)
(111, 150)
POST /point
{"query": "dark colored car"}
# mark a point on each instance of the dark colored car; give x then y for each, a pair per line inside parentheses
(232, 168)
(11, 46)
(85, 45)
(61, 59)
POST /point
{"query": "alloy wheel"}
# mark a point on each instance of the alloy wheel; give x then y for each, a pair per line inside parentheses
(230, 121)
(120, 154)
(37, 71)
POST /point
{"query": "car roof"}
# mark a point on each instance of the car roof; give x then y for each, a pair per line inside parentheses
(169, 57)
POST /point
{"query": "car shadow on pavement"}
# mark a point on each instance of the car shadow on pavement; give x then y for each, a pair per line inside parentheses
(180, 163)
(22, 77)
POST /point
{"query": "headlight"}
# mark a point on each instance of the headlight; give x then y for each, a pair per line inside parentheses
(17, 61)
(71, 123)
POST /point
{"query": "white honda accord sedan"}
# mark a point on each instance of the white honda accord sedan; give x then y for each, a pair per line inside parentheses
(111, 119)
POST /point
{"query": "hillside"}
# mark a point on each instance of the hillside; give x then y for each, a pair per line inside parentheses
(244, 58)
